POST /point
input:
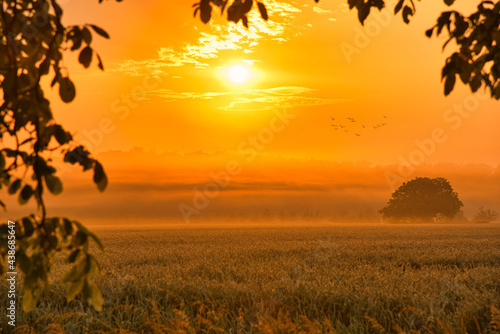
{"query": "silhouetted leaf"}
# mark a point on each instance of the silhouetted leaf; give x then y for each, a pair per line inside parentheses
(73, 274)
(465, 73)
(93, 295)
(247, 5)
(238, 10)
(496, 93)
(100, 178)
(57, 8)
(61, 136)
(478, 48)
(74, 288)
(25, 194)
(205, 11)
(74, 254)
(448, 68)
(407, 12)
(443, 20)
(99, 63)
(27, 226)
(262, 10)
(475, 83)
(67, 90)
(24, 262)
(449, 84)
(461, 25)
(84, 230)
(81, 238)
(54, 184)
(14, 187)
(398, 7)
(75, 35)
(100, 31)
(90, 266)
(364, 12)
(68, 226)
(85, 57)
(29, 302)
(86, 35)
(2, 162)
(44, 66)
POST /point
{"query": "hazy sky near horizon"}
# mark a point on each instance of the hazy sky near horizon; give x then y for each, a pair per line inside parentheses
(154, 192)
(166, 86)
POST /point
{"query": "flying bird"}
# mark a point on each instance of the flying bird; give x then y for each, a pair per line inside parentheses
(357, 134)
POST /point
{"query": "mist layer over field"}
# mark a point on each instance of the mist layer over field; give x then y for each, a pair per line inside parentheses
(150, 188)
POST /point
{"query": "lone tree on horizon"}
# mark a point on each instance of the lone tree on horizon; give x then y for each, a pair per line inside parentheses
(423, 198)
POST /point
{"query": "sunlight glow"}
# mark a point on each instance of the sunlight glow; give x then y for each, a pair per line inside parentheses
(238, 74)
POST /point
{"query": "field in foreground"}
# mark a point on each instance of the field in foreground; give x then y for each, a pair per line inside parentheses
(293, 279)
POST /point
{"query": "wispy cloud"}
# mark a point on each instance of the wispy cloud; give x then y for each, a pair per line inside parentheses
(271, 102)
(319, 10)
(339, 9)
(169, 95)
(248, 100)
(219, 37)
(285, 96)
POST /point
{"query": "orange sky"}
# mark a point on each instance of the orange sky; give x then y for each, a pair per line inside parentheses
(166, 89)
(189, 104)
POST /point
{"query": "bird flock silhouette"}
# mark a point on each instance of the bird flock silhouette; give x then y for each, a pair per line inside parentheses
(355, 127)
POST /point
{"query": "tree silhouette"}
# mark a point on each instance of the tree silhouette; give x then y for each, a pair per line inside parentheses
(423, 198)
(32, 43)
(476, 60)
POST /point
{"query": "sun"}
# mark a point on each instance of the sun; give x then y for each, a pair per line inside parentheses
(238, 74)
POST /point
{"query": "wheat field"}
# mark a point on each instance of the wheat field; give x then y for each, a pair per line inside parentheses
(286, 278)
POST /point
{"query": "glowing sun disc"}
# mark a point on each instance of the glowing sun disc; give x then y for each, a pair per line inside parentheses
(238, 74)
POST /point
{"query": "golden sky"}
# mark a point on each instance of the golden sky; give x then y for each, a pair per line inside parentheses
(167, 88)
(310, 59)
